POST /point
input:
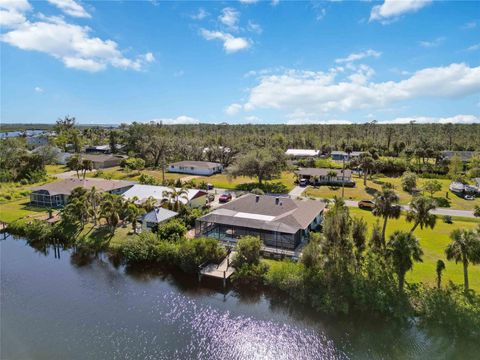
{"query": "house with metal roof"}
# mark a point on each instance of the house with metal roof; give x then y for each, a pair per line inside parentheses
(322, 176)
(156, 217)
(193, 197)
(342, 155)
(103, 161)
(301, 153)
(280, 222)
(196, 167)
(56, 194)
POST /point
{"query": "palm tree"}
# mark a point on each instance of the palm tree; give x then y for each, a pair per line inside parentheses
(111, 209)
(359, 237)
(403, 249)
(149, 204)
(75, 163)
(440, 268)
(94, 198)
(465, 248)
(419, 213)
(386, 206)
(366, 163)
(174, 197)
(87, 165)
(476, 212)
(133, 212)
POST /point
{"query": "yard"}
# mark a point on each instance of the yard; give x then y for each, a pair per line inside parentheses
(360, 192)
(433, 243)
(222, 181)
(14, 210)
(117, 173)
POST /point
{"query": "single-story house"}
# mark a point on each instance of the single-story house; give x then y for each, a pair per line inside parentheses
(37, 140)
(155, 217)
(61, 157)
(301, 153)
(56, 194)
(342, 155)
(320, 176)
(465, 156)
(103, 149)
(196, 167)
(194, 198)
(281, 223)
(102, 161)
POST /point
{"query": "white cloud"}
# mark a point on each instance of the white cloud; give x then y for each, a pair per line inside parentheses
(253, 119)
(300, 121)
(390, 10)
(322, 92)
(12, 12)
(233, 109)
(72, 44)
(182, 119)
(229, 17)
(457, 119)
(200, 15)
(434, 43)
(254, 27)
(275, 2)
(70, 7)
(474, 47)
(470, 25)
(231, 43)
(248, 1)
(358, 56)
(38, 89)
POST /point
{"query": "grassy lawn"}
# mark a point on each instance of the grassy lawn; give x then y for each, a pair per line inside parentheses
(55, 169)
(101, 235)
(360, 192)
(117, 173)
(222, 181)
(433, 244)
(14, 210)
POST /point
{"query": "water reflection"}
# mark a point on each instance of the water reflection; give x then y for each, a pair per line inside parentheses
(87, 306)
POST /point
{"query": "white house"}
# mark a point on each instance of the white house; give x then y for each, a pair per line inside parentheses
(194, 198)
(302, 153)
(196, 167)
(156, 217)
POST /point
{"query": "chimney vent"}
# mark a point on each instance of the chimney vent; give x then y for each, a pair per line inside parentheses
(277, 200)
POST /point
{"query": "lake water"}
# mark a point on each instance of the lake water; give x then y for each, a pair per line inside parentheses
(58, 309)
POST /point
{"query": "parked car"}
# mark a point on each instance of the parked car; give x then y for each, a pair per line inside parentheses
(469, 197)
(225, 198)
(366, 204)
(303, 182)
(209, 186)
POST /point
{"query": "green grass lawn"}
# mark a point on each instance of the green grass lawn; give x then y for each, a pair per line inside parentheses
(55, 169)
(433, 243)
(101, 237)
(14, 210)
(224, 182)
(360, 192)
(117, 173)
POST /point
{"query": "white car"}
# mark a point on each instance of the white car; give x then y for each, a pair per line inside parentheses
(469, 197)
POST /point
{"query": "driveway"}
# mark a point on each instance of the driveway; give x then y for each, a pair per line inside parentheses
(296, 192)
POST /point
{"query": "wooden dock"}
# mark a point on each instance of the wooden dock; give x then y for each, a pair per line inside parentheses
(219, 271)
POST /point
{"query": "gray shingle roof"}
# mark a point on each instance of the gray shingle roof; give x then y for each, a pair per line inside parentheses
(66, 186)
(159, 215)
(267, 213)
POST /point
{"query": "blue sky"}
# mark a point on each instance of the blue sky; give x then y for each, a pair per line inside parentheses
(240, 62)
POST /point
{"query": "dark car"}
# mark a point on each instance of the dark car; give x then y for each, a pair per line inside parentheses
(366, 204)
(303, 182)
(225, 198)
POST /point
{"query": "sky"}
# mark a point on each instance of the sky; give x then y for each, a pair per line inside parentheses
(288, 62)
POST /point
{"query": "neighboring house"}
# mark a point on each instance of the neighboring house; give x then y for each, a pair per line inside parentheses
(302, 153)
(155, 217)
(342, 155)
(196, 167)
(101, 161)
(37, 140)
(320, 176)
(56, 194)
(102, 149)
(194, 198)
(281, 223)
(60, 156)
(465, 156)
(461, 189)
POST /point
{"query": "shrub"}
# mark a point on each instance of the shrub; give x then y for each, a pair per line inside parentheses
(248, 251)
(270, 187)
(449, 308)
(141, 249)
(172, 230)
(133, 163)
(447, 219)
(286, 276)
(409, 181)
(194, 252)
(251, 275)
(147, 180)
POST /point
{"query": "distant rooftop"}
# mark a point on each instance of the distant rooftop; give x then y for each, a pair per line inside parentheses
(196, 164)
(302, 152)
(322, 172)
(66, 186)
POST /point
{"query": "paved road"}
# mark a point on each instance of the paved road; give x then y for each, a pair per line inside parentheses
(296, 191)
